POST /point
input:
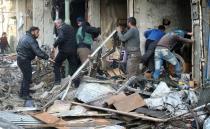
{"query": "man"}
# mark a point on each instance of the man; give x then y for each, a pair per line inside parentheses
(85, 36)
(67, 47)
(4, 42)
(162, 52)
(27, 50)
(152, 37)
(132, 46)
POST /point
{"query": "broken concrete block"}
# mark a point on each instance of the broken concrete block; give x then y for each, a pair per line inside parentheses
(115, 98)
(129, 103)
(59, 106)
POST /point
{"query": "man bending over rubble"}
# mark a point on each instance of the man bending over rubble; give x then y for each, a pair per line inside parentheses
(27, 50)
(132, 46)
(152, 37)
(162, 52)
(67, 49)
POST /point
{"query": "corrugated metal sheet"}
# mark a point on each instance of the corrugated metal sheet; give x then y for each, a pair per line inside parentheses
(19, 119)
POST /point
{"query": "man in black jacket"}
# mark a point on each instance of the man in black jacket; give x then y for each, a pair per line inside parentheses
(67, 48)
(27, 50)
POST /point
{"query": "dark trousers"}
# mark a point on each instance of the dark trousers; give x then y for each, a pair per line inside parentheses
(60, 58)
(3, 50)
(133, 62)
(26, 69)
(148, 57)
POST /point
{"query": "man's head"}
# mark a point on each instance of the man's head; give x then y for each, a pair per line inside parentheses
(80, 20)
(58, 23)
(161, 27)
(131, 21)
(166, 22)
(4, 34)
(34, 31)
(180, 33)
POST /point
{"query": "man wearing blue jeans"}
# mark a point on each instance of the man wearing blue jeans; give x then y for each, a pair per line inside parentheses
(162, 52)
(152, 37)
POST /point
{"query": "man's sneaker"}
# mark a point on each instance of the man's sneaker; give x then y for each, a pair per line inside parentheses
(29, 103)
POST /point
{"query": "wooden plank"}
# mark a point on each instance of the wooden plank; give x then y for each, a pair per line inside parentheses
(115, 98)
(111, 73)
(140, 116)
(50, 119)
(118, 72)
(130, 103)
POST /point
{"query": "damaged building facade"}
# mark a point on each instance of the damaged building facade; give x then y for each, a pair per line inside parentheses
(187, 15)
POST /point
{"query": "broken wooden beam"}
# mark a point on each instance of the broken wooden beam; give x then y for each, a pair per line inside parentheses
(140, 116)
(50, 119)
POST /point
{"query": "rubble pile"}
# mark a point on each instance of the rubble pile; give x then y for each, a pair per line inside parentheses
(103, 103)
(11, 77)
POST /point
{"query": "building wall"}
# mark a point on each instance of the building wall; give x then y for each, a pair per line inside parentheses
(149, 14)
(8, 21)
(111, 10)
(42, 19)
(94, 12)
(21, 17)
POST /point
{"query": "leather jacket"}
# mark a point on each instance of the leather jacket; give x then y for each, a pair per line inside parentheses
(28, 48)
(66, 39)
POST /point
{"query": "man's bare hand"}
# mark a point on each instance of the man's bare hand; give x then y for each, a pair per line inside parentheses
(190, 33)
(119, 29)
(53, 50)
(51, 60)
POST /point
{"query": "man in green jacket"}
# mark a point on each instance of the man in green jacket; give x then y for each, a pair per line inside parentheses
(85, 35)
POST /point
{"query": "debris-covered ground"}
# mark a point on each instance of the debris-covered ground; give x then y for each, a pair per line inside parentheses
(111, 102)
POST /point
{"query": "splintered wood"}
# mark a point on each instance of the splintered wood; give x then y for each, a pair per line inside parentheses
(50, 119)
